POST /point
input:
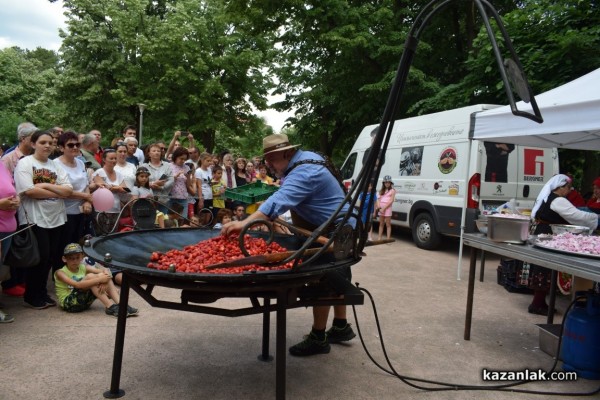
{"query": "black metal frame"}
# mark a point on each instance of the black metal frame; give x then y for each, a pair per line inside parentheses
(301, 291)
(510, 67)
(290, 290)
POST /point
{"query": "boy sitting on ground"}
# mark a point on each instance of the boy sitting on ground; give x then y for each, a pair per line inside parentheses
(78, 285)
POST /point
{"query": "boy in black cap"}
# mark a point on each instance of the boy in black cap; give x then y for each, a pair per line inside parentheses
(78, 285)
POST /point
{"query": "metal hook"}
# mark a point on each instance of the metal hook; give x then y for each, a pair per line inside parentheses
(242, 235)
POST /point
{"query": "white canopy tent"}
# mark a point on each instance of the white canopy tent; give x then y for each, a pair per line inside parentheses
(571, 114)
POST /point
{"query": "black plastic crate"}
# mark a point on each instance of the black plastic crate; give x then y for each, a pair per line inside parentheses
(510, 276)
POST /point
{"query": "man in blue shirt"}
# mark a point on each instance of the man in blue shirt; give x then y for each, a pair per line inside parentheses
(311, 192)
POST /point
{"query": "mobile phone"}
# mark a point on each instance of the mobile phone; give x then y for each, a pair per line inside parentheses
(127, 189)
(163, 177)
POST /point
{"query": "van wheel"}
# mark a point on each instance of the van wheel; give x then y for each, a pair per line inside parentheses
(424, 233)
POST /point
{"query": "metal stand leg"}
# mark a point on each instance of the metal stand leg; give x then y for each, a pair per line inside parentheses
(471, 289)
(114, 391)
(552, 300)
(482, 266)
(280, 344)
(264, 356)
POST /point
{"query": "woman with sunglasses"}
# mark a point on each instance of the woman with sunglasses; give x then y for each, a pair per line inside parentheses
(42, 184)
(79, 203)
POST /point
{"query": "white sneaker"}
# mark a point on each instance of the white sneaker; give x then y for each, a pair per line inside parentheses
(6, 318)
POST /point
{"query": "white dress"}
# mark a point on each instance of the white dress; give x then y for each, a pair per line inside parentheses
(79, 180)
(128, 172)
(116, 208)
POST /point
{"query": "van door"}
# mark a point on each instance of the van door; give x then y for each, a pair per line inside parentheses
(527, 169)
(499, 166)
(536, 166)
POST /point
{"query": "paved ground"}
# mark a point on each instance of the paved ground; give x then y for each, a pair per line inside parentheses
(50, 354)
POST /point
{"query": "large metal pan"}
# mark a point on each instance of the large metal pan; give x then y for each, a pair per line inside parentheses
(130, 251)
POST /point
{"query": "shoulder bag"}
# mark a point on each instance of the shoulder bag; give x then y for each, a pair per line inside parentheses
(23, 251)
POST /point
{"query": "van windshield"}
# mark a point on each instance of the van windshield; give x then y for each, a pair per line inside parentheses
(348, 167)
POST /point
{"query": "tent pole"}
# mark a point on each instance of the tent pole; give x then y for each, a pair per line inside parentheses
(463, 217)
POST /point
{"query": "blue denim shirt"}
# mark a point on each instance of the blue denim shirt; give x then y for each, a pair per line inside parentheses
(310, 190)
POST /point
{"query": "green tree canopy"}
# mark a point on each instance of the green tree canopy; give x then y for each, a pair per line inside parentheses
(27, 81)
(196, 65)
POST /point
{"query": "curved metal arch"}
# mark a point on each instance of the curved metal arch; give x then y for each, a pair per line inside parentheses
(371, 169)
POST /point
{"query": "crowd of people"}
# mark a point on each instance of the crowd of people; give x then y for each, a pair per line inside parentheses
(47, 181)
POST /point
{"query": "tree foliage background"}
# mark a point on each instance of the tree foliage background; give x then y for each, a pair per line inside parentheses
(206, 66)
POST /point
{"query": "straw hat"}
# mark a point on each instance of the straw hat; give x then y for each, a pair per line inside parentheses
(276, 142)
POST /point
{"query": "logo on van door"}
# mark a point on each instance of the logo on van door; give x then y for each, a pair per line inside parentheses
(533, 165)
(448, 159)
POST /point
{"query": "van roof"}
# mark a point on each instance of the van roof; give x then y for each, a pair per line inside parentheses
(430, 127)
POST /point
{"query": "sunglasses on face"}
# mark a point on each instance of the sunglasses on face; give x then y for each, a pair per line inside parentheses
(73, 145)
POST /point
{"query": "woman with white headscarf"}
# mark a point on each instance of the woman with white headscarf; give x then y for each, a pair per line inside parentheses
(552, 207)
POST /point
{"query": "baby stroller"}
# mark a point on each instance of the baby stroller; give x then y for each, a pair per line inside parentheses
(142, 215)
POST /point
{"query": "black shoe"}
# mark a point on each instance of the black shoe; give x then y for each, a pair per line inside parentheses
(50, 301)
(310, 346)
(112, 310)
(36, 304)
(132, 311)
(338, 335)
(539, 310)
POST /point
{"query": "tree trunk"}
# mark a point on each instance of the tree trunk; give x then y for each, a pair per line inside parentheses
(208, 140)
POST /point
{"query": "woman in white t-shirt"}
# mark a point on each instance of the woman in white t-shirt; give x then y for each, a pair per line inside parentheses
(124, 167)
(107, 177)
(42, 184)
(203, 176)
(80, 202)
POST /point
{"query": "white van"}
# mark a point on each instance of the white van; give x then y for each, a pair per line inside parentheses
(429, 161)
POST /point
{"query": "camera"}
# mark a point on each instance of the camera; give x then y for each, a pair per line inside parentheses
(184, 133)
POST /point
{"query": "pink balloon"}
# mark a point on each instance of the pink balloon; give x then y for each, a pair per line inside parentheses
(103, 199)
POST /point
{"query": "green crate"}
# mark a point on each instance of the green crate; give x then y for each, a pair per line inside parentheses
(251, 193)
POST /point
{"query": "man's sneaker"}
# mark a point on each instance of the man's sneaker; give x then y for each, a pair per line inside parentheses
(6, 318)
(36, 304)
(112, 310)
(132, 311)
(338, 335)
(50, 301)
(310, 346)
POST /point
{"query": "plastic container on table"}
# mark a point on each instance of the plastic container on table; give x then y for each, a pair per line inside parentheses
(251, 193)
